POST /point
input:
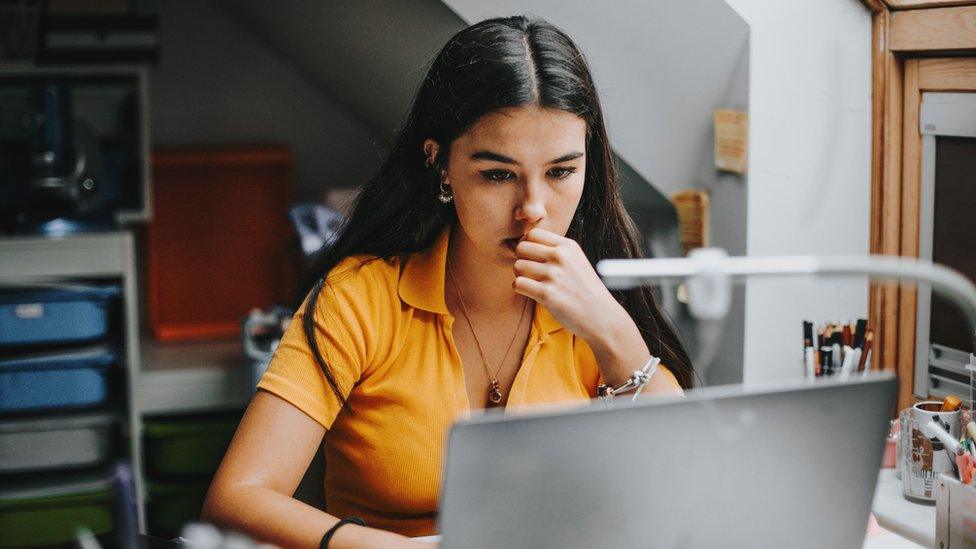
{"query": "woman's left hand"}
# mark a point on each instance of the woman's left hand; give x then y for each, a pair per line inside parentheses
(553, 270)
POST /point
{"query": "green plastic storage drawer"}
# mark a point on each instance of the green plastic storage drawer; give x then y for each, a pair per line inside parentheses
(173, 504)
(49, 509)
(187, 445)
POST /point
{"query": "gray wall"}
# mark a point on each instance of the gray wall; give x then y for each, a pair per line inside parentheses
(218, 84)
(809, 166)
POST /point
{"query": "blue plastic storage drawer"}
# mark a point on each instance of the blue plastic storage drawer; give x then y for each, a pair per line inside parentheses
(68, 379)
(54, 314)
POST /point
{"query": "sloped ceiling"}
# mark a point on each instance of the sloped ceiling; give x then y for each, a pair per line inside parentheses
(368, 55)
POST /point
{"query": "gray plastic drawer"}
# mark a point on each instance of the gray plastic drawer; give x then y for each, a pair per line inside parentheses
(57, 442)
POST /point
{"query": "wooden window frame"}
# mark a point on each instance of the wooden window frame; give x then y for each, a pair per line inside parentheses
(917, 4)
(907, 37)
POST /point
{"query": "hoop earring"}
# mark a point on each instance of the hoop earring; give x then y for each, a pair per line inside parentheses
(446, 195)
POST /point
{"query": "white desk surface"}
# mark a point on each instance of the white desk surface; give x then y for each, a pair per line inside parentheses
(894, 513)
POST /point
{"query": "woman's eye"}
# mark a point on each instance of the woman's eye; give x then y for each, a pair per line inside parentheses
(561, 173)
(497, 175)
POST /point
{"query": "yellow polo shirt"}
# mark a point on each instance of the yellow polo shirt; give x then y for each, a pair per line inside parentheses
(386, 332)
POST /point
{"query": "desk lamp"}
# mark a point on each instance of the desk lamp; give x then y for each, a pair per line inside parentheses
(710, 273)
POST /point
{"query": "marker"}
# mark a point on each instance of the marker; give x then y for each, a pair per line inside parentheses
(809, 369)
(868, 338)
(859, 332)
(950, 404)
(835, 347)
(848, 365)
(826, 356)
(965, 463)
(816, 353)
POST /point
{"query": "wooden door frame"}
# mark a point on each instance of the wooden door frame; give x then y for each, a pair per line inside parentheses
(904, 33)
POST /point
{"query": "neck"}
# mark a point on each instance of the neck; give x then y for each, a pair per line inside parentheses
(484, 284)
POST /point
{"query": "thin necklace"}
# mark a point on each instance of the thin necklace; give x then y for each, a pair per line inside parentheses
(495, 392)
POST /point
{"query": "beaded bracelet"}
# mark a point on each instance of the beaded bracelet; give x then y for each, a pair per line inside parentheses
(637, 381)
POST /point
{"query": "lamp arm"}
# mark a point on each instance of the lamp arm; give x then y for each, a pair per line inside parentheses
(626, 273)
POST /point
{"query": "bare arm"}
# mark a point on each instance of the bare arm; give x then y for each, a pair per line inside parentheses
(622, 349)
(252, 490)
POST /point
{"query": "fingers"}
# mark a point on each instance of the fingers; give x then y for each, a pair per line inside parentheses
(533, 289)
(531, 269)
(534, 251)
(543, 236)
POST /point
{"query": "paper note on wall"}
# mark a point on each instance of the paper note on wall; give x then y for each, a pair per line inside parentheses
(731, 140)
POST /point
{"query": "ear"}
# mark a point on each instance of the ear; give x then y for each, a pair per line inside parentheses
(431, 150)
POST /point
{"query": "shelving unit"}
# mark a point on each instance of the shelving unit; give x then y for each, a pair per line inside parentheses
(160, 379)
(157, 380)
(109, 255)
(193, 377)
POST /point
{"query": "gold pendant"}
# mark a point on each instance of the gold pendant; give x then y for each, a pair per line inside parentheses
(495, 395)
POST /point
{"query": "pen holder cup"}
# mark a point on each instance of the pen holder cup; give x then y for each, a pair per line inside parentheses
(923, 459)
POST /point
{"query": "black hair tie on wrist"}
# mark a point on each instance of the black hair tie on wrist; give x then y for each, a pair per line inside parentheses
(331, 532)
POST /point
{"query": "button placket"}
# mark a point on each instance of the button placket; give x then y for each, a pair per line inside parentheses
(462, 407)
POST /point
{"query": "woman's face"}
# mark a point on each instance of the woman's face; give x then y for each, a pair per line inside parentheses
(515, 169)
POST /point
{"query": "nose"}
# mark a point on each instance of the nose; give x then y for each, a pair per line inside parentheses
(532, 202)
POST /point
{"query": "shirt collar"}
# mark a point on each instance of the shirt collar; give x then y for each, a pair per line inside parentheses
(422, 278)
(422, 284)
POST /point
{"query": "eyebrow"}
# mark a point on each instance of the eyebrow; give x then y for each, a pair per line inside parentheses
(488, 155)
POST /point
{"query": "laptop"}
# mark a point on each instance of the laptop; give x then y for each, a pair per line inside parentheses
(791, 464)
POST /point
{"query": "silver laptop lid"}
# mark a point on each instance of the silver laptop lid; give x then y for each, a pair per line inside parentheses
(781, 465)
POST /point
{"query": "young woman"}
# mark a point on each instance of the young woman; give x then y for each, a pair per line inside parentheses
(463, 280)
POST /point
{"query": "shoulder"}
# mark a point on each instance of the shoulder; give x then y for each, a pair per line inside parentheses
(362, 277)
(364, 270)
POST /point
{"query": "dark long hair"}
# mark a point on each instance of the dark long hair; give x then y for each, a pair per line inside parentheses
(497, 63)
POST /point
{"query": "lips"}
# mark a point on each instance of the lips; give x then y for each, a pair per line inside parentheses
(511, 243)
